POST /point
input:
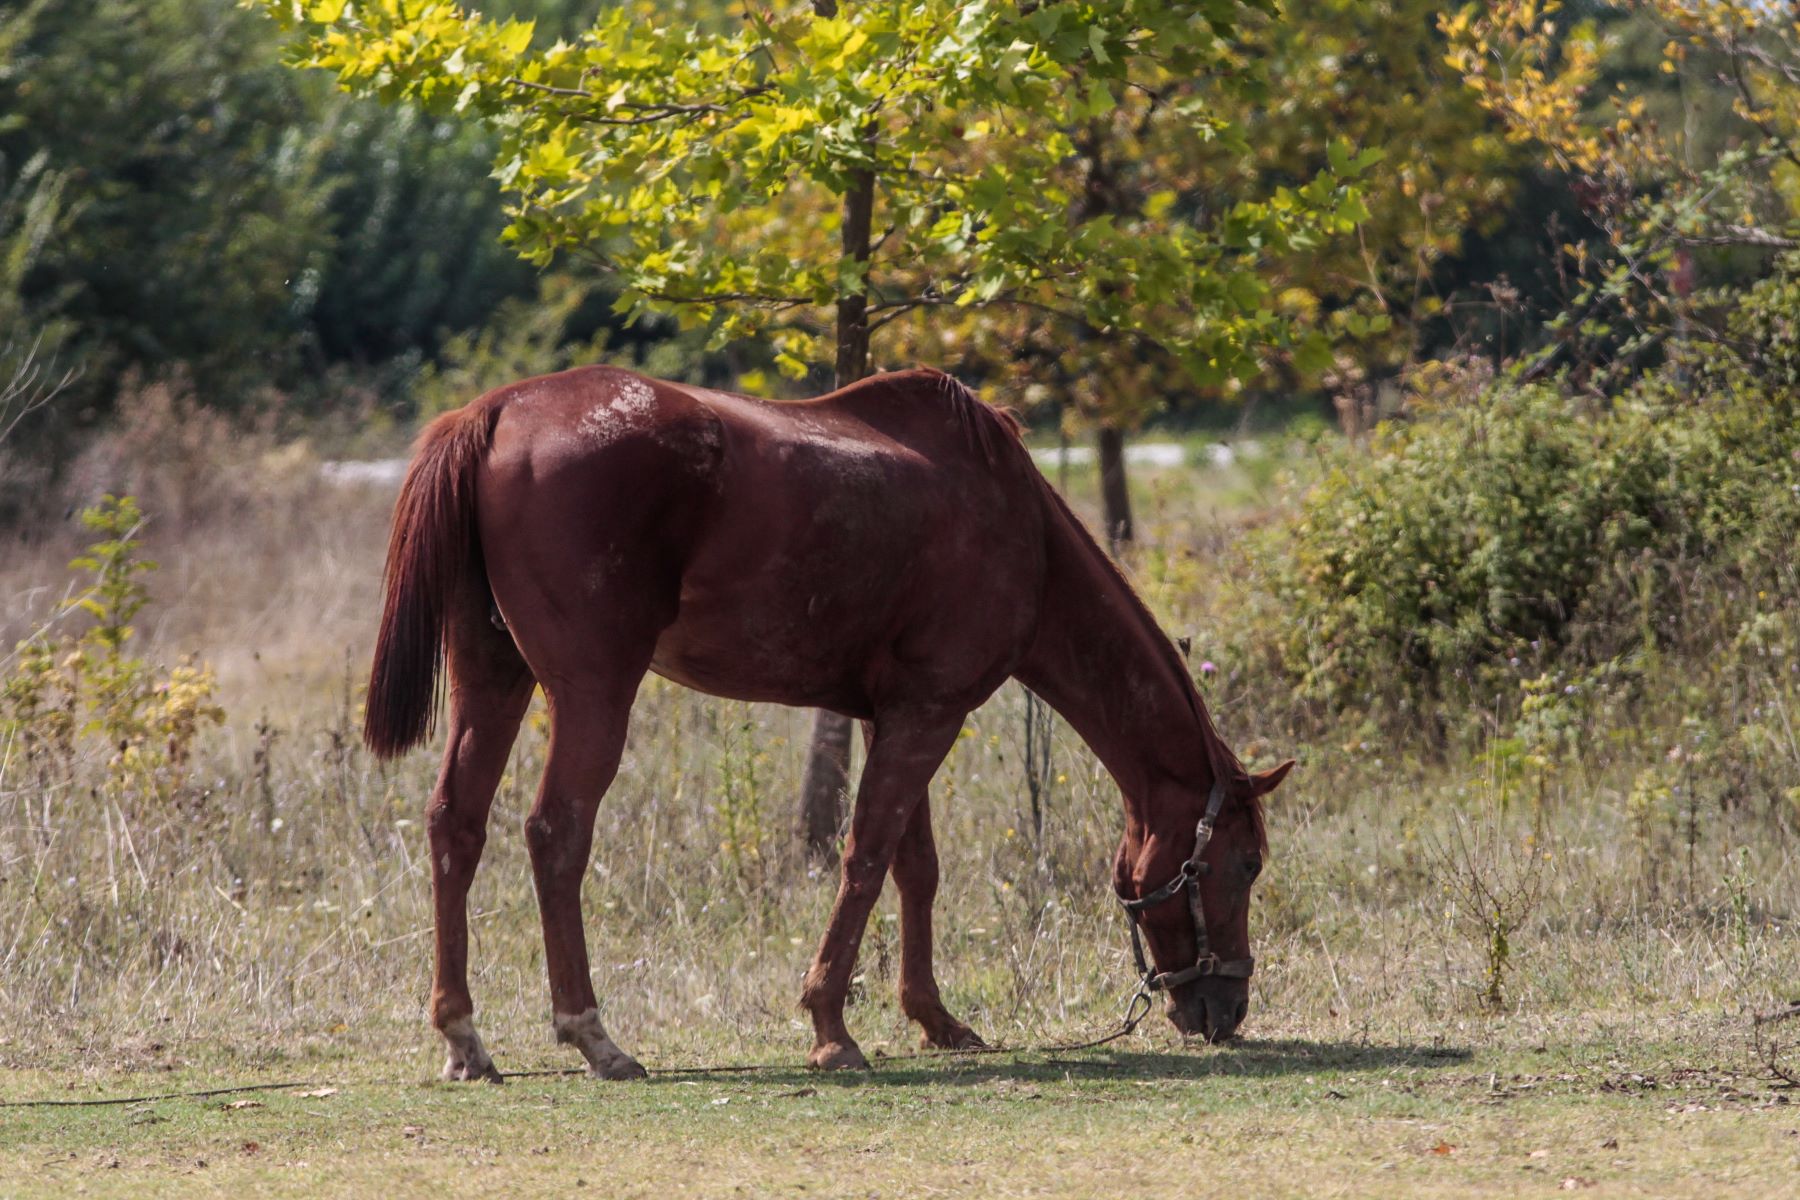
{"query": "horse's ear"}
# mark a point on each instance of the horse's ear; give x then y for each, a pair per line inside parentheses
(1264, 782)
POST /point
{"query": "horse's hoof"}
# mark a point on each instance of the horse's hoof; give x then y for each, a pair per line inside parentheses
(957, 1037)
(622, 1067)
(604, 1058)
(457, 1071)
(837, 1056)
(469, 1059)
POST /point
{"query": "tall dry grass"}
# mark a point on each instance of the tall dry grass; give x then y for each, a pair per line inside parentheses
(278, 904)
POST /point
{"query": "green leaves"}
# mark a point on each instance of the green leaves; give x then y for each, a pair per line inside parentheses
(701, 154)
(1347, 162)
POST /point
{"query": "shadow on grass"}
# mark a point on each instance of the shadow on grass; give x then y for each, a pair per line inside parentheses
(1244, 1060)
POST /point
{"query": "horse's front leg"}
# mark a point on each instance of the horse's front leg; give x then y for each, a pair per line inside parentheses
(916, 879)
(907, 749)
(587, 738)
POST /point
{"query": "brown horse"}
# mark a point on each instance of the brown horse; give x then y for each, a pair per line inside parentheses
(888, 551)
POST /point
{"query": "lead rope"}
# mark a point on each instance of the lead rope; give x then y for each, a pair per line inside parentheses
(1136, 1009)
(1134, 1016)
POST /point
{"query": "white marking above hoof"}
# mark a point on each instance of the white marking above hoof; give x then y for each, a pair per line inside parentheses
(468, 1059)
(605, 1060)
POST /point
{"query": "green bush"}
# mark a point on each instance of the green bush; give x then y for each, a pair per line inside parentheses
(1524, 531)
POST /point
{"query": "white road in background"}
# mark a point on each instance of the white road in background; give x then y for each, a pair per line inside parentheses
(381, 471)
(1146, 454)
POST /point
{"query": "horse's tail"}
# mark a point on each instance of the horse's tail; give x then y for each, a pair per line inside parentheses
(434, 550)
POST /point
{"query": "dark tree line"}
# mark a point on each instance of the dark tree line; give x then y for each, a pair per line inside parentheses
(172, 195)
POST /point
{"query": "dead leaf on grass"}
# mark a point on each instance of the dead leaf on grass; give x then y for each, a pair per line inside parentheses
(234, 1105)
(1443, 1148)
(1575, 1183)
(317, 1093)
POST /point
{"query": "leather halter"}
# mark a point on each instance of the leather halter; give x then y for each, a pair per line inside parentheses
(1188, 879)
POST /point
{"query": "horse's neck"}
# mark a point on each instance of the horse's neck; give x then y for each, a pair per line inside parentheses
(1100, 660)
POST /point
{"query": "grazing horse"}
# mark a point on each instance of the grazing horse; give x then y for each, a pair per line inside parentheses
(888, 551)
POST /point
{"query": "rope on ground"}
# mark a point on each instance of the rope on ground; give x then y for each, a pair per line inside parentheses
(1135, 1012)
(202, 1095)
(1770, 1048)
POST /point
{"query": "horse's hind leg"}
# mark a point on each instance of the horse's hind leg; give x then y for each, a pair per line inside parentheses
(490, 687)
(916, 879)
(906, 752)
(587, 738)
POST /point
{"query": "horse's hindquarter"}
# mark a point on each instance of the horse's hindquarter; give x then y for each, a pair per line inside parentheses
(589, 502)
(853, 564)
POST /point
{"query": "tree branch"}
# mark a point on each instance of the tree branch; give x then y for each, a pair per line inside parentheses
(1740, 235)
(772, 301)
(642, 114)
(29, 389)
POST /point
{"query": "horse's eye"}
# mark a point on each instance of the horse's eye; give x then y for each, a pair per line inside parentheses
(1252, 868)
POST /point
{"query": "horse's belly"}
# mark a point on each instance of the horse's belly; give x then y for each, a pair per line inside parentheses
(852, 588)
(737, 660)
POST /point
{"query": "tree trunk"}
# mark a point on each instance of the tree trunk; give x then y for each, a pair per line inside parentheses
(1115, 497)
(826, 787)
(1100, 196)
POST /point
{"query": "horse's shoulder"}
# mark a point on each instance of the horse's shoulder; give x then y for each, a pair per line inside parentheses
(989, 431)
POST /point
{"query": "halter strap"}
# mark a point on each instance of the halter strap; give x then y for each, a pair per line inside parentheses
(1187, 879)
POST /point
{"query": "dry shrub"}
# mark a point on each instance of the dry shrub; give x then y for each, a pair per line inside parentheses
(266, 564)
(188, 465)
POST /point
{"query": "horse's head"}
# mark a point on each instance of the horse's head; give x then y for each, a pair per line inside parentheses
(1206, 972)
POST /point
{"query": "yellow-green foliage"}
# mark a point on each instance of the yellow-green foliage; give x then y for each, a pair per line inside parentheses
(740, 797)
(89, 694)
(707, 172)
(524, 338)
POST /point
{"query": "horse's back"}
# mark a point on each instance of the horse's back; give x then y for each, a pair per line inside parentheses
(880, 541)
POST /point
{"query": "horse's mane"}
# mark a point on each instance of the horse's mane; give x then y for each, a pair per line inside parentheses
(1220, 757)
(990, 430)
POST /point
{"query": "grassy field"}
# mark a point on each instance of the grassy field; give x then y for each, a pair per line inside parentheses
(264, 917)
(1657, 1106)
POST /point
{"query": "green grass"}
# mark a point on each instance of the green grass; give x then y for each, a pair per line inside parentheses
(1513, 1109)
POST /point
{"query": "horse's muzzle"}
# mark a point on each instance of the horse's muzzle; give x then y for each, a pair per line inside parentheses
(1211, 1009)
